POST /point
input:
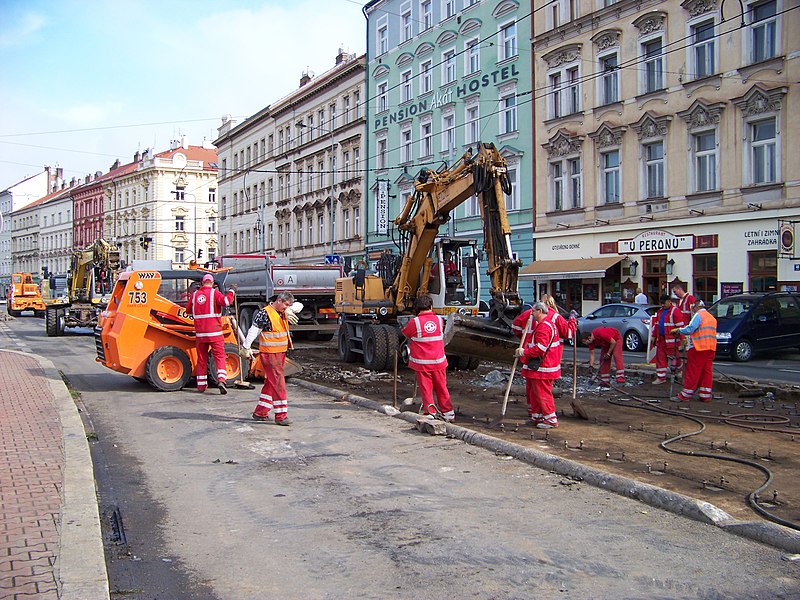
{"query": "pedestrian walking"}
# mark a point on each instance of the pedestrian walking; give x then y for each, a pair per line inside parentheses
(641, 297)
(540, 354)
(427, 359)
(685, 301)
(609, 340)
(667, 344)
(271, 327)
(699, 376)
(206, 304)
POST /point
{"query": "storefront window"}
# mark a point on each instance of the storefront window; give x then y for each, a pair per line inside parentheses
(654, 276)
(763, 271)
(612, 284)
(705, 277)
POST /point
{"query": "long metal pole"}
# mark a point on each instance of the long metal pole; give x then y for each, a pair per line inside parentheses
(333, 183)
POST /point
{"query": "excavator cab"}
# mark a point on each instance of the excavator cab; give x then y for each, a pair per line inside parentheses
(454, 284)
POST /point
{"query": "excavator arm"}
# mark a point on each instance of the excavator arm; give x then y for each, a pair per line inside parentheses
(93, 263)
(436, 195)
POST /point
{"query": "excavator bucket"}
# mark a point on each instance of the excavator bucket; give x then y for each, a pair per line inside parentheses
(479, 338)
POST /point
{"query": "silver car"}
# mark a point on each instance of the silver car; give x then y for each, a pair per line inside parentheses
(631, 320)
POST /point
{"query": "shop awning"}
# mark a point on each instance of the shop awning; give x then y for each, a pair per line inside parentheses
(576, 268)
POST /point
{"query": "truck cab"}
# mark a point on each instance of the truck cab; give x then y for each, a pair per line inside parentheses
(25, 295)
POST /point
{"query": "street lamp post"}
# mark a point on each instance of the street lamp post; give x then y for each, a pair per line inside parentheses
(302, 125)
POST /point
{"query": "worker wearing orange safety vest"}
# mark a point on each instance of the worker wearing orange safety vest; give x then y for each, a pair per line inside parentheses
(427, 359)
(702, 332)
(206, 305)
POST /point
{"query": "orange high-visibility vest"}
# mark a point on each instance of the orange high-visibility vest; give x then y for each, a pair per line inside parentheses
(705, 336)
(277, 340)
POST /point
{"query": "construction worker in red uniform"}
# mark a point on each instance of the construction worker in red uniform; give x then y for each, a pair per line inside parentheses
(702, 332)
(609, 340)
(685, 301)
(666, 343)
(206, 305)
(271, 326)
(542, 341)
(427, 359)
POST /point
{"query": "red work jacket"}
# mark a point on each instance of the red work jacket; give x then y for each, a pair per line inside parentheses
(603, 337)
(426, 350)
(544, 335)
(206, 305)
(674, 319)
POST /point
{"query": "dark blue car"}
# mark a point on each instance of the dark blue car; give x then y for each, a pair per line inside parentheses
(748, 323)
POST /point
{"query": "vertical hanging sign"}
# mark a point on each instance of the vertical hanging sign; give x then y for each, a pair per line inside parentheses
(382, 208)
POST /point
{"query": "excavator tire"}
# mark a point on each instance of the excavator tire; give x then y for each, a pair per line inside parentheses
(392, 346)
(343, 344)
(233, 367)
(51, 322)
(245, 319)
(168, 369)
(375, 343)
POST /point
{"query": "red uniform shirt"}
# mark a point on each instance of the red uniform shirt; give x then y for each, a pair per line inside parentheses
(603, 337)
(685, 306)
(206, 305)
(426, 350)
(547, 344)
(674, 318)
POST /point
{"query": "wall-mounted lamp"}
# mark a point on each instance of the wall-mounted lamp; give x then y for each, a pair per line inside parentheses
(693, 211)
(754, 206)
(600, 222)
(563, 225)
(645, 218)
(634, 266)
(670, 267)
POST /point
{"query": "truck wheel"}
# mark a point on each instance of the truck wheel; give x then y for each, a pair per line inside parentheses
(13, 313)
(168, 369)
(60, 321)
(343, 342)
(392, 346)
(51, 322)
(375, 347)
(245, 320)
(473, 364)
(233, 368)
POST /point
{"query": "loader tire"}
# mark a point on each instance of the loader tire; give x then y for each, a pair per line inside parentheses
(233, 367)
(245, 320)
(51, 322)
(375, 347)
(344, 344)
(392, 346)
(168, 369)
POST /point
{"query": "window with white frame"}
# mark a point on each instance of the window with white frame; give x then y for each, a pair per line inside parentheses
(310, 224)
(653, 166)
(507, 42)
(762, 142)
(472, 207)
(512, 199)
(702, 49)
(346, 103)
(320, 173)
(280, 236)
(566, 183)
(382, 39)
(383, 97)
(406, 23)
(345, 165)
(448, 9)
(299, 230)
(382, 159)
(448, 66)
(212, 224)
(508, 112)
(406, 139)
(356, 220)
(426, 139)
(212, 195)
(406, 93)
(280, 190)
(321, 228)
(609, 85)
(426, 10)
(565, 94)
(472, 124)
(356, 162)
(179, 256)
(180, 223)
(346, 223)
(704, 160)
(426, 77)
(448, 133)
(357, 102)
(300, 182)
(610, 177)
(472, 56)
(762, 19)
(653, 72)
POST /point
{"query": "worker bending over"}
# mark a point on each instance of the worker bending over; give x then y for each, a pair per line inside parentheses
(609, 340)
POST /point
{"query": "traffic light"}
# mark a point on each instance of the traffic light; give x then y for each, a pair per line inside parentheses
(146, 242)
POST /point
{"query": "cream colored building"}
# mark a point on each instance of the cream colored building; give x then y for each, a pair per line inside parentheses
(279, 167)
(663, 133)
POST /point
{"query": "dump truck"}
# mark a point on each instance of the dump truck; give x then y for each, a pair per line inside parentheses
(372, 307)
(25, 295)
(88, 288)
(145, 331)
(259, 277)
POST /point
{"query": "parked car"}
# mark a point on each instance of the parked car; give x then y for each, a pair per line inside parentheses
(748, 323)
(631, 320)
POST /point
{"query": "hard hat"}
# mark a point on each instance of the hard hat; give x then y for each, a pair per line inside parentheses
(208, 277)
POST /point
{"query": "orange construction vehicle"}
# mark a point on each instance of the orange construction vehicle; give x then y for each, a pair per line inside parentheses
(145, 331)
(25, 295)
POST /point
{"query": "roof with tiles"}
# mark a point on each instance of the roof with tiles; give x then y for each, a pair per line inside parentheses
(207, 155)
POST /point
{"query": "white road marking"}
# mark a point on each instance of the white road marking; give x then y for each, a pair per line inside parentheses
(789, 370)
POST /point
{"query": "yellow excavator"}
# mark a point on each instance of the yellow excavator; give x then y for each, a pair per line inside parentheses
(89, 286)
(372, 307)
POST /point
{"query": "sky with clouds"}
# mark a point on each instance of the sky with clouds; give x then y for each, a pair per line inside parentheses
(87, 82)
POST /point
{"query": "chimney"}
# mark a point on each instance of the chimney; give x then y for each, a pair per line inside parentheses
(184, 142)
(98, 174)
(137, 157)
(72, 182)
(342, 56)
(304, 78)
(115, 165)
(88, 178)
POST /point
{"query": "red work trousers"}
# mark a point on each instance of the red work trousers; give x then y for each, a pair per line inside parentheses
(273, 392)
(699, 375)
(218, 351)
(541, 405)
(664, 354)
(430, 382)
(605, 366)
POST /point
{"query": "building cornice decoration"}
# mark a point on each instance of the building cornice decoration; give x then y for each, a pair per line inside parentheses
(404, 58)
(446, 37)
(505, 7)
(563, 143)
(700, 114)
(652, 126)
(606, 39)
(699, 7)
(469, 25)
(650, 23)
(760, 100)
(380, 71)
(423, 49)
(608, 135)
(563, 55)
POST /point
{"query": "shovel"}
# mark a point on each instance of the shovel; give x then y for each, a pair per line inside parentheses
(499, 420)
(577, 406)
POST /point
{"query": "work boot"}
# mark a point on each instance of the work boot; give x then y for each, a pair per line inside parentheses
(222, 388)
(283, 422)
(546, 425)
(659, 381)
(259, 417)
(620, 380)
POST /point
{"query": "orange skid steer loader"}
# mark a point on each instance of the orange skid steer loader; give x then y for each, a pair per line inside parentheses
(145, 331)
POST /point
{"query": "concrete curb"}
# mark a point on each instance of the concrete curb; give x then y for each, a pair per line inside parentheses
(765, 532)
(80, 565)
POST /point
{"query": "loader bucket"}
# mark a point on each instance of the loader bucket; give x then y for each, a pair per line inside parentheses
(479, 338)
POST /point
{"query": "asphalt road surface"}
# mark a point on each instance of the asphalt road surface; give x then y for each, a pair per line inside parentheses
(349, 503)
